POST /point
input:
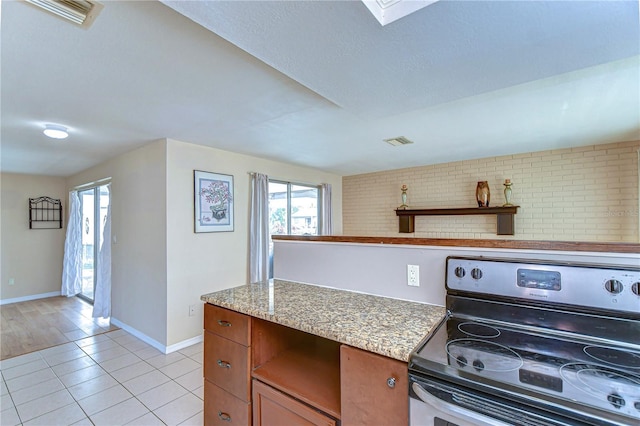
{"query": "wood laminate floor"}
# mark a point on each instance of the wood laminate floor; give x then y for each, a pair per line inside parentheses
(39, 324)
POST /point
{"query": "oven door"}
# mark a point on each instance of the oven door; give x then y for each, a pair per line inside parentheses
(437, 403)
(427, 409)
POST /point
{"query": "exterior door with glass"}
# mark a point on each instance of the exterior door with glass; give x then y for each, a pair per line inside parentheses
(94, 203)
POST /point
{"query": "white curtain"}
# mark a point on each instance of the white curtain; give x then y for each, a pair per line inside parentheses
(102, 295)
(327, 218)
(72, 262)
(259, 228)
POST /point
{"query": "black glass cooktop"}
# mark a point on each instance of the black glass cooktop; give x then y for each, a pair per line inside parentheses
(535, 363)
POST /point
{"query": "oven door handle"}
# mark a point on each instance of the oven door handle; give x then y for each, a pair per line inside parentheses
(446, 407)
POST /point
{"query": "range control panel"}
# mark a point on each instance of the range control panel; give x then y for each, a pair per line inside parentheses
(596, 286)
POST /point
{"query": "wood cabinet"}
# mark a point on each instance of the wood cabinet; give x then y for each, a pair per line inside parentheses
(227, 356)
(262, 373)
(374, 389)
(275, 408)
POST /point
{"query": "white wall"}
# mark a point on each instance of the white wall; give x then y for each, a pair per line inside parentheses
(138, 221)
(206, 262)
(381, 269)
(33, 258)
(159, 265)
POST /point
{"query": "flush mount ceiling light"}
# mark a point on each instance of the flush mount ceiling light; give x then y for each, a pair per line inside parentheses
(387, 11)
(397, 141)
(55, 131)
(80, 12)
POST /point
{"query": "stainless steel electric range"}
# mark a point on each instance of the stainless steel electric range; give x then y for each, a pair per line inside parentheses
(531, 343)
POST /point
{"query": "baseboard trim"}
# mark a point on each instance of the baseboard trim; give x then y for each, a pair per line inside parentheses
(184, 344)
(27, 298)
(159, 346)
(140, 335)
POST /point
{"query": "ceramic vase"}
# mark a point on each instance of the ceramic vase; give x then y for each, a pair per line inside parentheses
(483, 194)
(404, 197)
(507, 193)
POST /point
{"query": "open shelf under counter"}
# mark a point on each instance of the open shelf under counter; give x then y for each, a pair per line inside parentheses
(505, 221)
(310, 374)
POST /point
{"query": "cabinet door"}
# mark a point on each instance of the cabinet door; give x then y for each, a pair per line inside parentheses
(374, 389)
(274, 408)
(227, 365)
(222, 408)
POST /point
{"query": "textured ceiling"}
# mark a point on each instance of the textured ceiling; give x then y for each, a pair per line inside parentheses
(318, 83)
(447, 51)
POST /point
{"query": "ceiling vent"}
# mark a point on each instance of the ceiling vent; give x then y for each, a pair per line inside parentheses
(80, 12)
(400, 140)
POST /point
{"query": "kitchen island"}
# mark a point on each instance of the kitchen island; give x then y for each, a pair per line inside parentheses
(308, 353)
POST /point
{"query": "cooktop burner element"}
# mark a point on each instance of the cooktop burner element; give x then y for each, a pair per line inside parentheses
(483, 355)
(617, 357)
(620, 389)
(478, 330)
(550, 336)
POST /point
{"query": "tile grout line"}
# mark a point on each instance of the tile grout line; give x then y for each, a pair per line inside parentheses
(108, 373)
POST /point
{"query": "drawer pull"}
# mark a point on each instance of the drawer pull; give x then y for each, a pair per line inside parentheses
(391, 382)
(223, 364)
(224, 323)
(224, 416)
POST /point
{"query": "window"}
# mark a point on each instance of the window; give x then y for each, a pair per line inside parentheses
(294, 209)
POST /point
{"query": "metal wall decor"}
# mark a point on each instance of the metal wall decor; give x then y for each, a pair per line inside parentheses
(45, 213)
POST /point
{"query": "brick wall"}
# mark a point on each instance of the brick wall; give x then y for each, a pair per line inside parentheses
(579, 194)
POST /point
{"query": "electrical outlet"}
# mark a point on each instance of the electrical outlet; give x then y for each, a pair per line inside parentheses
(413, 275)
(192, 310)
(12, 281)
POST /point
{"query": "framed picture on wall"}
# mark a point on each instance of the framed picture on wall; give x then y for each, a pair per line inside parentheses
(213, 193)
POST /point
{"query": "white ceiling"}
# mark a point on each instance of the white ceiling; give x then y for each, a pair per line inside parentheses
(318, 83)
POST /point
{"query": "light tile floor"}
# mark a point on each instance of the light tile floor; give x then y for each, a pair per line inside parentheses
(109, 379)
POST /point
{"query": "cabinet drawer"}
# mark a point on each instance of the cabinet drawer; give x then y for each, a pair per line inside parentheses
(222, 408)
(227, 365)
(274, 408)
(232, 325)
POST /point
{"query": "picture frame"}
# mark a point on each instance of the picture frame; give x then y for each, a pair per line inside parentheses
(213, 202)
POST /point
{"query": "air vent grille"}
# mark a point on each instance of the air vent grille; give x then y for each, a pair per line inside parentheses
(397, 141)
(80, 12)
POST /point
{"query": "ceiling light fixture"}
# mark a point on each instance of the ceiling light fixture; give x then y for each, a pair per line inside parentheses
(398, 141)
(80, 12)
(55, 131)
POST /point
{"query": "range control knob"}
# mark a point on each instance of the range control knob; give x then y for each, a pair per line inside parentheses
(616, 400)
(476, 273)
(635, 288)
(613, 286)
(637, 405)
(478, 365)
(461, 360)
(460, 272)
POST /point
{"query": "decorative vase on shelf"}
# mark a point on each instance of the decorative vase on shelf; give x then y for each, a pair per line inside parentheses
(404, 197)
(507, 193)
(483, 195)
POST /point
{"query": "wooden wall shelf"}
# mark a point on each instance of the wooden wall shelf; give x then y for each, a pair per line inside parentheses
(504, 215)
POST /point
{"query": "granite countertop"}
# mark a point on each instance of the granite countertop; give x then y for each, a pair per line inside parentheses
(382, 325)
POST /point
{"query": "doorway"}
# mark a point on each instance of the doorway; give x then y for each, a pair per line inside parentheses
(94, 203)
